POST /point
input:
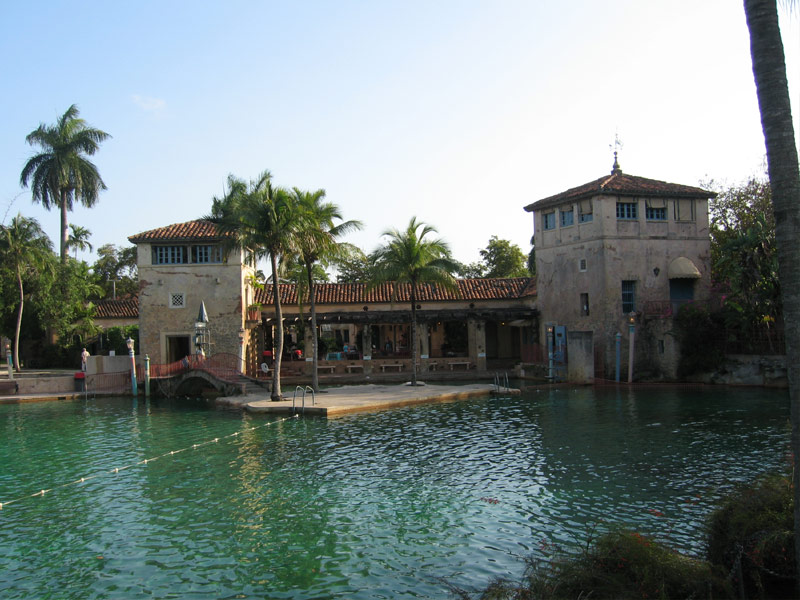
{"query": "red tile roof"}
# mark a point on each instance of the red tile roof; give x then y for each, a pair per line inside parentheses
(117, 309)
(621, 184)
(356, 293)
(179, 232)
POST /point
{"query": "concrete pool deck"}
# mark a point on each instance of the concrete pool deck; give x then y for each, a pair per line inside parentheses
(336, 401)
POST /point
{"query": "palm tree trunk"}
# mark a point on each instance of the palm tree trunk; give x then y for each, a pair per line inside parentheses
(413, 332)
(312, 304)
(769, 69)
(64, 226)
(19, 320)
(276, 395)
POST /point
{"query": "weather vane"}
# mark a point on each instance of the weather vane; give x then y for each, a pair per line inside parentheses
(617, 146)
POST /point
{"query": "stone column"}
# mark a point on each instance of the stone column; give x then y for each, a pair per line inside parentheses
(366, 347)
(476, 336)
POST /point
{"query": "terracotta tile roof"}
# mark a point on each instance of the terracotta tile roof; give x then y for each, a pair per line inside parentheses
(355, 293)
(621, 184)
(117, 309)
(179, 232)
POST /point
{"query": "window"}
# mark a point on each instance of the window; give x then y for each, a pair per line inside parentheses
(628, 296)
(170, 255)
(549, 220)
(684, 209)
(206, 254)
(656, 209)
(627, 211)
(585, 211)
(567, 217)
(582, 265)
(177, 300)
(585, 305)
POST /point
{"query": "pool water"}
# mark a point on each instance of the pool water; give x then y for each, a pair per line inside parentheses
(392, 504)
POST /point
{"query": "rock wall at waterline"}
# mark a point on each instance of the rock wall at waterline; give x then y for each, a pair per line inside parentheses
(745, 369)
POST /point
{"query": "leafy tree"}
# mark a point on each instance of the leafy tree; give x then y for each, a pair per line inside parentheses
(532, 258)
(61, 173)
(408, 257)
(500, 258)
(79, 239)
(263, 221)
(743, 252)
(318, 241)
(28, 250)
(354, 268)
(735, 209)
(115, 271)
(503, 259)
(772, 89)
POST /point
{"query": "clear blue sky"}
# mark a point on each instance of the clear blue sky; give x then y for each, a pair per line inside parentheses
(459, 112)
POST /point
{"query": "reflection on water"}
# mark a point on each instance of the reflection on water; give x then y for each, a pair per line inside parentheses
(381, 505)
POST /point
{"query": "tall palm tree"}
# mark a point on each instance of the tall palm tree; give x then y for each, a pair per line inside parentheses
(408, 257)
(79, 239)
(317, 241)
(28, 250)
(261, 220)
(61, 173)
(772, 88)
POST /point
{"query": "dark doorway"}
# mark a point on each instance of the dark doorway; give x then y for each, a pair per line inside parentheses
(177, 347)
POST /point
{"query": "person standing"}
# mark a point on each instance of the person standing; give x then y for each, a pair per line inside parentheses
(84, 359)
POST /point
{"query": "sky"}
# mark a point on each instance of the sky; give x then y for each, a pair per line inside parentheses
(456, 112)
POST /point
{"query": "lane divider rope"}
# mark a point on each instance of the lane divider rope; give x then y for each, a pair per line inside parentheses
(145, 461)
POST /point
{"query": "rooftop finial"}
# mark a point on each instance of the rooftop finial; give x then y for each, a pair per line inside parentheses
(616, 170)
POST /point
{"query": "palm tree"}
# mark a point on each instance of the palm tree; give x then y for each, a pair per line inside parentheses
(317, 242)
(769, 70)
(79, 239)
(28, 250)
(410, 258)
(261, 220)
(61, 173)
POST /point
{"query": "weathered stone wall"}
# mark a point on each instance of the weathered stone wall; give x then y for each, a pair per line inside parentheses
(222, 287)
(742, 369)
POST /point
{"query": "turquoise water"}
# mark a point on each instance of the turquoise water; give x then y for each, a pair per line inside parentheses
(383, 505)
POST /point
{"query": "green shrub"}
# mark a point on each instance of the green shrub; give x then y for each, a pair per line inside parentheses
(751, 535)
(620, 564)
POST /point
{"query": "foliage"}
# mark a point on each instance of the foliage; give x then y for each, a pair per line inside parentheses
(619, 564)
(61, 173)
(751, 533)
(503, 259)
(26, 252)
(115, 269)
(743, 249)
(317, 242)
(79, 239)
(263, 221)
(356, 268)
(116, 338)
(408, 257)
(698, 331)
(500, 258)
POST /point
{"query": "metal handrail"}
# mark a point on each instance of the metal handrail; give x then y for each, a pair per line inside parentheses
(303, 389)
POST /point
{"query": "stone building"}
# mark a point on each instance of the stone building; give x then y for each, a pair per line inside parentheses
(617, 252)
(181, 268)
(184, 267)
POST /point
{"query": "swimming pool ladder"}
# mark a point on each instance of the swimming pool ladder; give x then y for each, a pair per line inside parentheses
(500, 379)
(303, 390)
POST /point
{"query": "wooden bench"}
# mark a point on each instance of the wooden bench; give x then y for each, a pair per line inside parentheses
(465, 364)
(9, 388)
(351, 368)
(397, 366)
(327, 368)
